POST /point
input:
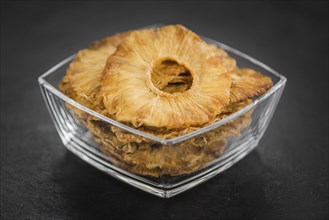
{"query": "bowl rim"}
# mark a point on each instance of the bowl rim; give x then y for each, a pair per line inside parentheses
(278, 85)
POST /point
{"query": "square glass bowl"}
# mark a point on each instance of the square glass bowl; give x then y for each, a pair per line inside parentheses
(224, 142)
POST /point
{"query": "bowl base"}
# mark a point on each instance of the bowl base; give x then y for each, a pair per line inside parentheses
(96, 159)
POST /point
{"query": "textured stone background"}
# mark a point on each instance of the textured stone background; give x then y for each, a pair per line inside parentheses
(286, 177)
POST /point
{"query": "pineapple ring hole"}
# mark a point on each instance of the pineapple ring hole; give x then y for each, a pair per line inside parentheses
(169, 76)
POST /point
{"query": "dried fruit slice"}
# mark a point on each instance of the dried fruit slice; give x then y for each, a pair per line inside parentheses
(147, 158)
(227, 61)
(82, 81)
(247, 83)
(130, 95)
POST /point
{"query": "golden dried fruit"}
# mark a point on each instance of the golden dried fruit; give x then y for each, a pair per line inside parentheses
(130, 96)
(83, 74)
(143, 156)
(165, 82)
(247, 83)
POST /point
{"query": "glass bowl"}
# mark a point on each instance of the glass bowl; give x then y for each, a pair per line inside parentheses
(224, 142)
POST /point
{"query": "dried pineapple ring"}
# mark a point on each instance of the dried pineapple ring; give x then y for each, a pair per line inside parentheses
(83, 74)
(247, 83)
(227, 61)
(185, 157)
(129, 94)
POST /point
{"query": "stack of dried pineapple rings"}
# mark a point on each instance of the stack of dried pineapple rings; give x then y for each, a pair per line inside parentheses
(166, 82)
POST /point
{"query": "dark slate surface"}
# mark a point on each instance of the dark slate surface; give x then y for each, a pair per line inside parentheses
(285, 178)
